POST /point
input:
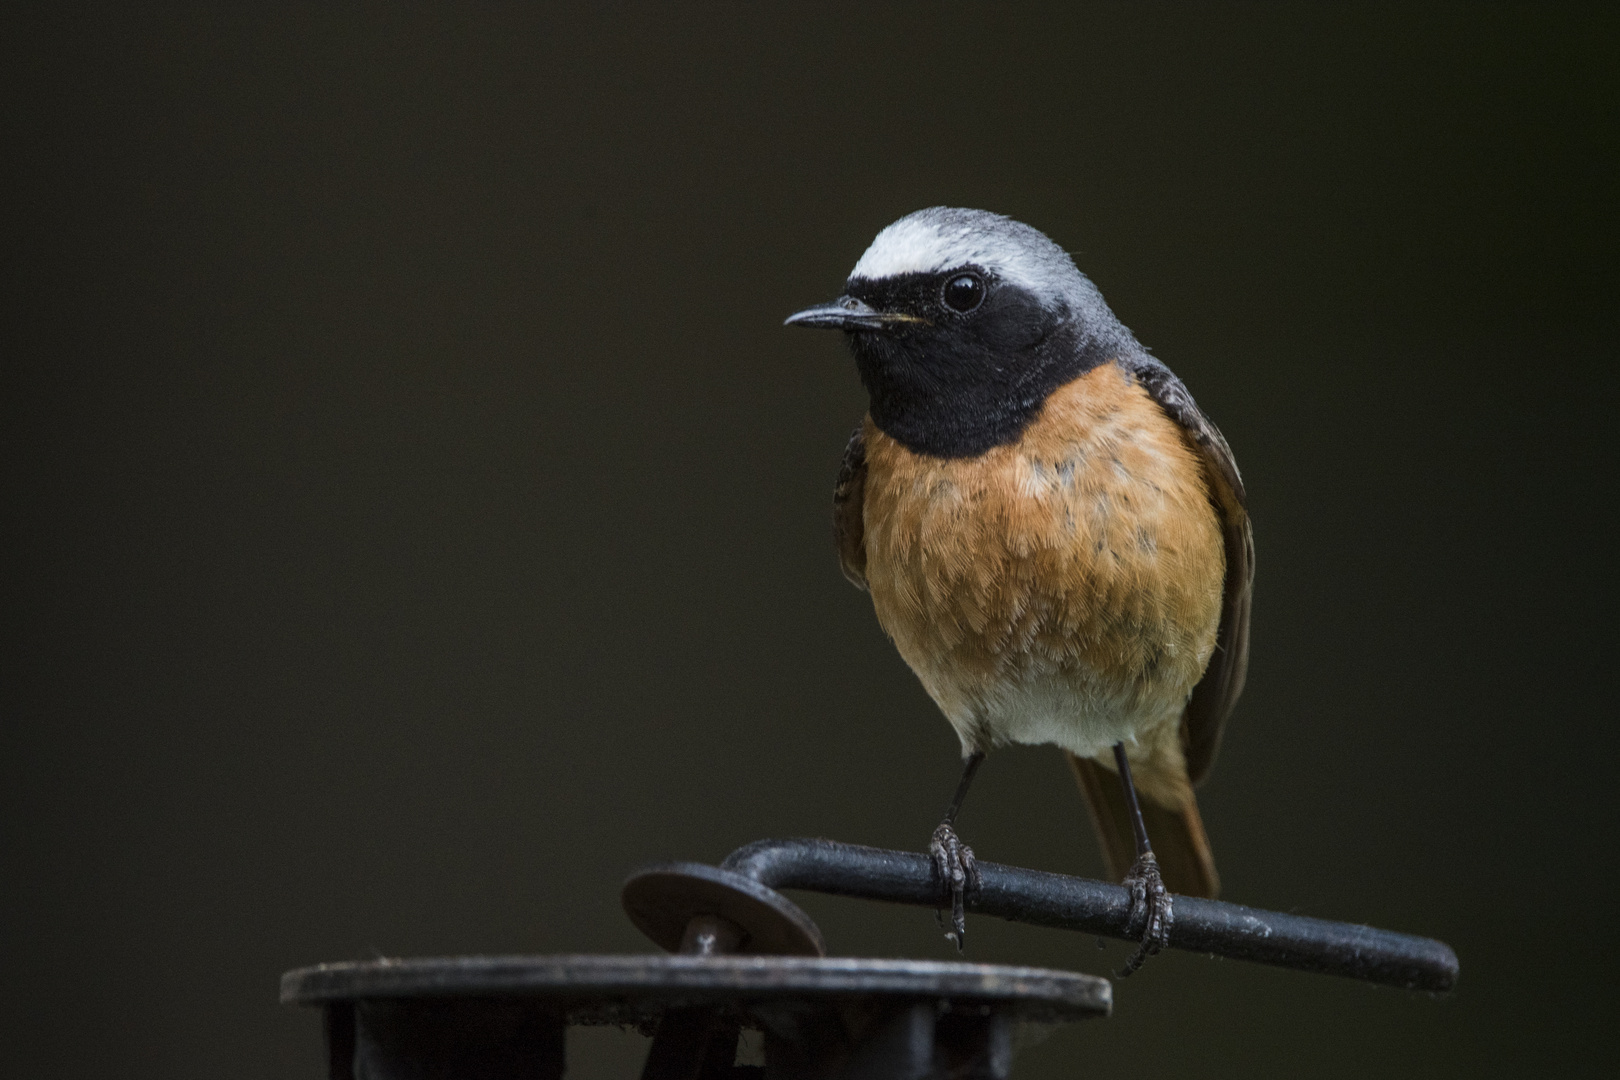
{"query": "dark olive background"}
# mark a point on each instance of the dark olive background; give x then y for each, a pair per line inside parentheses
(418, 517)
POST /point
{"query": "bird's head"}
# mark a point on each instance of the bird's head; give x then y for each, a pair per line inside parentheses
(962, 322)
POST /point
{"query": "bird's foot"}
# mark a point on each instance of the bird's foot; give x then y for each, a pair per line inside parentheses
(1152, 912)
(958, 873)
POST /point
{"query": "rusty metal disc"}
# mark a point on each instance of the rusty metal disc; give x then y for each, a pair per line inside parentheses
(574, 981)
(661, 900)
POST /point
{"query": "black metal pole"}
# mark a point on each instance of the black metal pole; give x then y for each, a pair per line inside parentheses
(1096, 907)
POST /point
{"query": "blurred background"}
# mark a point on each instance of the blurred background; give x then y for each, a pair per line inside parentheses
(418, 517)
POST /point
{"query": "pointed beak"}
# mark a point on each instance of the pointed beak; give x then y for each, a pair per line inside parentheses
(848, 313)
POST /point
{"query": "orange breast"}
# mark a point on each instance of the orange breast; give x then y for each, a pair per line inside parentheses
(1073, 578)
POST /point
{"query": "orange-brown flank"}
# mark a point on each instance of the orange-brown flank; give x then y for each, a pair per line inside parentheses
(1065, 588)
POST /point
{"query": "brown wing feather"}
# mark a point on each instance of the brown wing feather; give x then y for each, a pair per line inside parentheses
(1215, 695)
(849, 498)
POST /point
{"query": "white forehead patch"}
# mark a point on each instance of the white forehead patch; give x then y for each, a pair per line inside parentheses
(942, 238)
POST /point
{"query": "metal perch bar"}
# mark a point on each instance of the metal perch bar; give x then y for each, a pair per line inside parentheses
(1095, 907)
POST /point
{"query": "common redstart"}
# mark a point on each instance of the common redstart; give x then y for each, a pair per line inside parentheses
(1052, 533)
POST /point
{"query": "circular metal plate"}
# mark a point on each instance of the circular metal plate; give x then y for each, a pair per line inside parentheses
(661, 900)
(1027, 993)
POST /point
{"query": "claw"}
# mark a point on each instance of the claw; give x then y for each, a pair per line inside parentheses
(958, 873)
(1152, 912)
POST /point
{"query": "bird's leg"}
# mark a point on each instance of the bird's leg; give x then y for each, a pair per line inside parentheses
(1152, 913)
(954, 865)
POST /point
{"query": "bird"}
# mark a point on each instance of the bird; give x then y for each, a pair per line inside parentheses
(1053, 534)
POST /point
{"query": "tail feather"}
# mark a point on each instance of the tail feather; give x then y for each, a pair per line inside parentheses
(1176, 833)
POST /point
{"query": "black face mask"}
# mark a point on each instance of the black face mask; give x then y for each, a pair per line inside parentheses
(955, 383)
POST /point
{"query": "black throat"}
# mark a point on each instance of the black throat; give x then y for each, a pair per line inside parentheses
(959, 385)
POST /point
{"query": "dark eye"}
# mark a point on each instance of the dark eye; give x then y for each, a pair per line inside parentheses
(964, 292)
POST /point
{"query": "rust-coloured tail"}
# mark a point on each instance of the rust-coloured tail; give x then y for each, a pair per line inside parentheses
(1176, 833)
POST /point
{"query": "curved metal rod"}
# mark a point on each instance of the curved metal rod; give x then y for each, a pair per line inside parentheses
(1096, 907)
